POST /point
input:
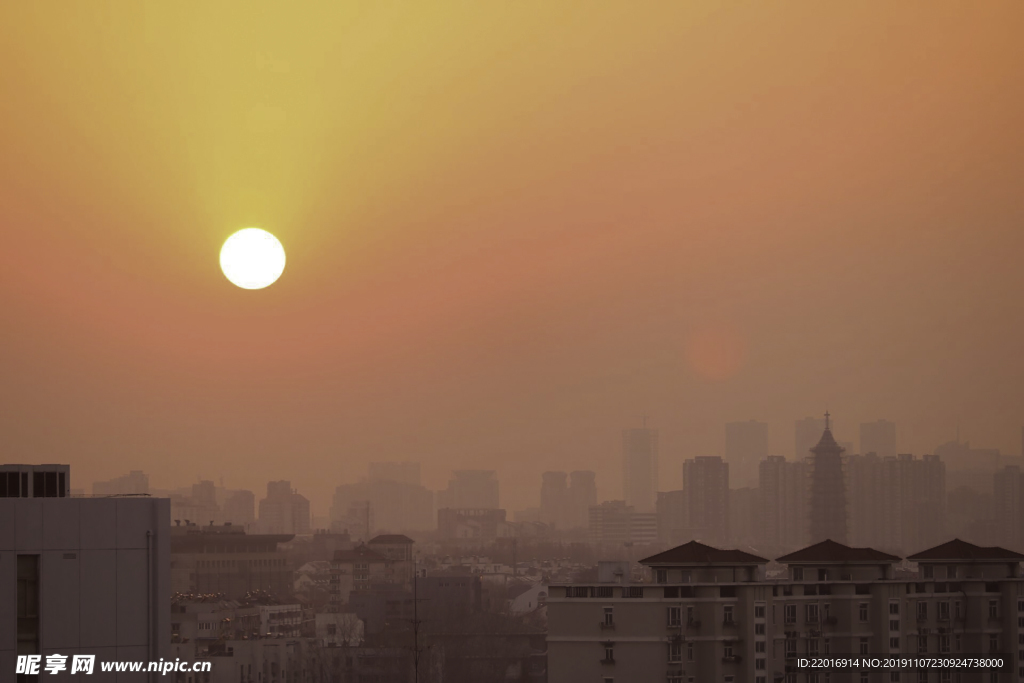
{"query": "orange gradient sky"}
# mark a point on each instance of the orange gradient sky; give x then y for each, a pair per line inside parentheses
(511, 228)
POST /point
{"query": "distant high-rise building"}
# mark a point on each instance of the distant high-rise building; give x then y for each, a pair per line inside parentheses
(807, 432)
(746, 445)
(615, 523)
(401, 472)
(783, 491)
(828, 490)
(673, 518)
(240, 508)
(706, 484)
(582, 495)
(743, 516)
(470, 490)
(135, 482)
(879, 438)
(554, 499)
(1008, 507)
(896, 503)
(640, 467)
(284, 511)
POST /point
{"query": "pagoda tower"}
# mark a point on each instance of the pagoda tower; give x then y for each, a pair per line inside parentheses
(828, 490)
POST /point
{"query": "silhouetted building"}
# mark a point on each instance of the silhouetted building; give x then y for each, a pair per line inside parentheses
(743, 516)
(80, 575)
(828, 490)
(240, 508)
(640, 467)
(470, 489)
(784, 491)
(706, 483)
(554, 499)
(807, 432)
(135, 482)
(395, 504)
(673, 517)
(879, 438)
(470, 524)
(582, 495)
(746, 445)
(284, 511)
(1008, 506)
(896, 503)
(225, 559)
(615, 523)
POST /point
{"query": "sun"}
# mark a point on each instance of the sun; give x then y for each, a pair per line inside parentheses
(252, 258)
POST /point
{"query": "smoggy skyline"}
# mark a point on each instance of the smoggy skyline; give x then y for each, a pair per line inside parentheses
(511, 230)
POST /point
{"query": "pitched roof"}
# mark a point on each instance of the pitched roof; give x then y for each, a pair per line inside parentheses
(358, 554)
(827, 443)
(698, 553)
(392, 538)
(830, 551)
(962, 550)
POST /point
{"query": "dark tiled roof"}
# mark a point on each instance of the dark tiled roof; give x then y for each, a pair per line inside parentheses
(830, 551)
(698, 553)
(827, 443)
(358, 554)
(392, 538)
(962, 550)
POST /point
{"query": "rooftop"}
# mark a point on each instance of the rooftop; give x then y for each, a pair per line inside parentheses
(358, 554)
(392, 539)
(830, 551)
(695, 552)
(962, 550)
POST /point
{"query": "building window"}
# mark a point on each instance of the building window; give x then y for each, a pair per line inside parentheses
(922, 609)
(759, 646)
(956, 641)
(609, 616)
(798, 573)
(828, 647)
(790, 647)
(812, 614)
(759, 665)
(922, 677)
(675, 653)
(863, 677)
(759, 629)
(894, 608)
(727, 614)
(609, 653)
(956, 610)
(675, 616)
(944, 610)
(993, 643)
(863, 646)
(812, 646)
(894, 677)
(790, 614)
(922, 644)
(927, 571)
(28, 604)
(862, 611)
(945, 677)
(689, 615)
(759, 611)
(689, 651)
(662, 576)
(894, 643)
(894, 624)
(993, 609)
(727, 650)
(943, 644)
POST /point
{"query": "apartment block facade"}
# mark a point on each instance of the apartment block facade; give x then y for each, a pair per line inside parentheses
(711, 616)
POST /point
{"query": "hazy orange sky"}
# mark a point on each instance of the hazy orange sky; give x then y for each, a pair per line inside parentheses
(511, 229)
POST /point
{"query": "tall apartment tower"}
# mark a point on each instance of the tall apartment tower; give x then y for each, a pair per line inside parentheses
(878, 437)
(284, 511)
(554, 499)
(746, 445)
(706, 487)
(640, 468)
(582, 495)
(828, 490)
(470, 489)
(1008, 506)
(783, 491)
(806, 433)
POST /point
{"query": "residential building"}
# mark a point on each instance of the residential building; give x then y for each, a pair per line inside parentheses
(706, 483)
(284, 511)
(135, 482)
(240, 509)
(673, 518)
(582, 495)
(746, 445)
(640, 468)
(615, 523)
(470, 489)
(782, 513)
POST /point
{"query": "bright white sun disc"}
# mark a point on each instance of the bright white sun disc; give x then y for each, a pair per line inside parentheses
(252, 258)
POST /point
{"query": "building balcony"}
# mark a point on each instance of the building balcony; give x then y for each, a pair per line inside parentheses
(674, 625)
(731, 623)
(607, 625)
(732, 659)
